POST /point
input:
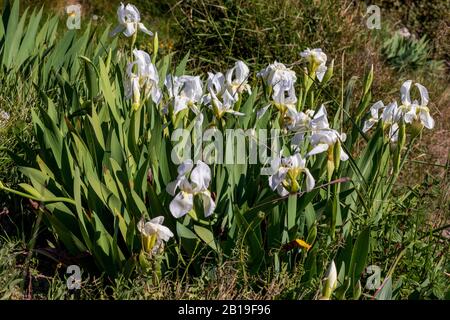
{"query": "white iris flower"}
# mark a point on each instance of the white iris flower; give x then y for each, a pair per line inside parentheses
(324, 138)
(142, 79)
(186, 92)
(191, 182)
(287, 172)
(237, 78)
(374, 116)
(317, 60)
(154, 234)
(413, 110)
(129, 21)
(218, 98)
(278, 77)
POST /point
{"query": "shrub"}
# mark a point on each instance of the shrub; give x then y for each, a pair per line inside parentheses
(426, 18)
(409, 53)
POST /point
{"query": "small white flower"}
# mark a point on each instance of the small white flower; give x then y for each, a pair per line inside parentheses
(191, 182)
(404, 32)
(4, 116)
(142, 76)
(186, 92)
(374, 116)
(237, 78)
(129, 21)
(317, 59)
(154, 234)
(287, 171)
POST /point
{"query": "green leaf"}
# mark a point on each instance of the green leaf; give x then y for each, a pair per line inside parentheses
(206, 235)
(359, 255)
(79, 209)
(184, 232)
(292, 212)
(386, 291)
(181, 68)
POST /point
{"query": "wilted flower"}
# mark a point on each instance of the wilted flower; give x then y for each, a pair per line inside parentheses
(317, 60)
(154, 234)
(287, 172)
(142, 79)
(191, 182)
(236, 79)
(129, 21)
(186, 92)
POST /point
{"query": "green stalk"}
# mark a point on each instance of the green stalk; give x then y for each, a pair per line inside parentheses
(396, 174)
(292, 213)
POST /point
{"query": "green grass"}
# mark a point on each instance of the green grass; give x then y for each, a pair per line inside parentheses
(412, 235)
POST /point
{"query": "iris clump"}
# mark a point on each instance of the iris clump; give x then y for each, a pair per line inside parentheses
(109, 185)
